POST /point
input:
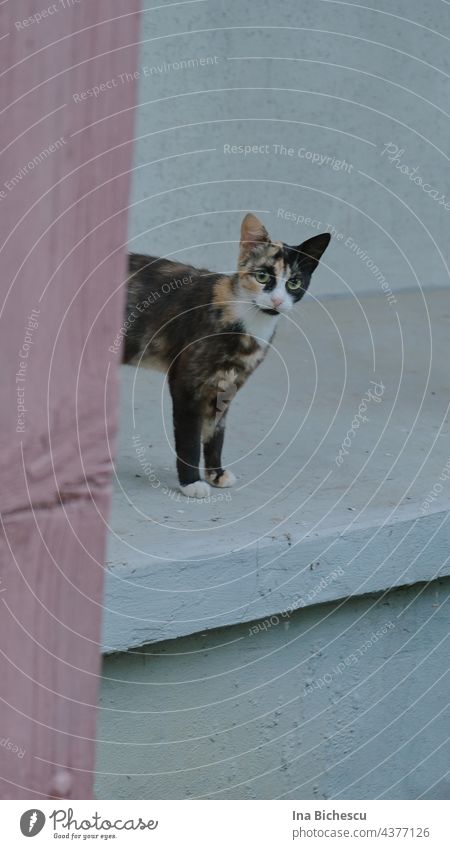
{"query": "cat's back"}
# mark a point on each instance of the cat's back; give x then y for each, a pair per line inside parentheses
(166, 297)
(150, 274)
(162, 277)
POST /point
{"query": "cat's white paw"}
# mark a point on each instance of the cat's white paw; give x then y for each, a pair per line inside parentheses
(225, 480)
(199, 489)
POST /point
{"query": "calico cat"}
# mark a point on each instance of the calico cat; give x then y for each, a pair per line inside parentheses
(209, 332)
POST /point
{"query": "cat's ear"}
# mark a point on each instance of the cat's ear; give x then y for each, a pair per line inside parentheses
(253, 233)
(309, 252)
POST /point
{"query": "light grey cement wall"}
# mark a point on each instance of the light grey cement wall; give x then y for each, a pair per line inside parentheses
(330, 78)
(314, 706)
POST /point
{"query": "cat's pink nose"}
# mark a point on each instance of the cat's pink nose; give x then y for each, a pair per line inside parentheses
(277, 301)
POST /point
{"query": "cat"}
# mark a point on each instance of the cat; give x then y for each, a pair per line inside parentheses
(209, 332)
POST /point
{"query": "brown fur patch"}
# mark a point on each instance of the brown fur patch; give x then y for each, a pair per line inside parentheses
(275, 247)
(223, 297)
(261, 254)
(249, 283)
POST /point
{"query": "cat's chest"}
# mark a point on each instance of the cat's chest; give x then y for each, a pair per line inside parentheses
(259, 326)
(256, 340)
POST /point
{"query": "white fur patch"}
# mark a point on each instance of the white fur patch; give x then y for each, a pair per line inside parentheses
(258, 324)
(208, 428)
(199, 489)
(225, 480)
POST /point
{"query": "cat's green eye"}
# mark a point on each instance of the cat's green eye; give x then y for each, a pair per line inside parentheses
(294, 285)
(262, 276)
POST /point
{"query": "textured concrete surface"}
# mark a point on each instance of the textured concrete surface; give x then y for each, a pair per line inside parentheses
(177, 565)
(152, 604)
(344, 701)
(287, 426)
(306, 703)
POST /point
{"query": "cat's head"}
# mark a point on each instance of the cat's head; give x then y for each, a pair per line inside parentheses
(274, 276)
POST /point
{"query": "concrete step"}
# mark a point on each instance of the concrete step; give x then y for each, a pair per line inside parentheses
(339, 442)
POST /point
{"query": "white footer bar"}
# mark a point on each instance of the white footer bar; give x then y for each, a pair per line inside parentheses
(226, 824)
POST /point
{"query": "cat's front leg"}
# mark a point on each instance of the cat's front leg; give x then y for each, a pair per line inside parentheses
(213, 433)
(187, 422)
